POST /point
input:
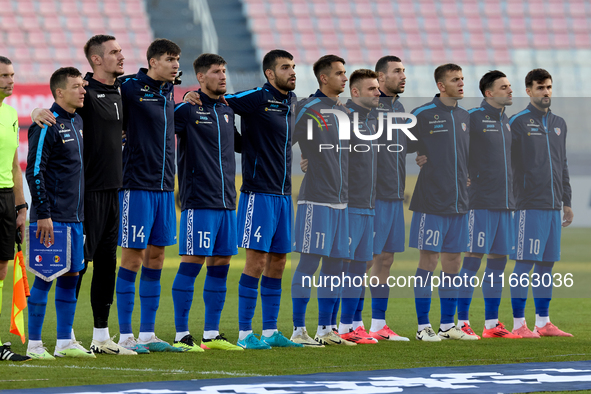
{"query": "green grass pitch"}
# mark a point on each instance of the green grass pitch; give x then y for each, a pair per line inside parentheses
(570, 314)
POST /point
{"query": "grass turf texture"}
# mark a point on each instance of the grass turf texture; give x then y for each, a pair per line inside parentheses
(571, 314)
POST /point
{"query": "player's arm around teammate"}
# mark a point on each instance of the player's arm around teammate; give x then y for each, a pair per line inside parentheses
(207, 169)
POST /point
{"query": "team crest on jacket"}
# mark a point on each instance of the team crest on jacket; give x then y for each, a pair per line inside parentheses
(463, 126)
(508, 127)
(557, 130)
(226, 118)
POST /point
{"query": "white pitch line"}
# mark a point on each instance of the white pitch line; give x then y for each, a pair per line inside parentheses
(135, 369)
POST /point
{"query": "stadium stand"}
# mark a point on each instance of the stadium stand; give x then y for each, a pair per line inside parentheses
(43, 35)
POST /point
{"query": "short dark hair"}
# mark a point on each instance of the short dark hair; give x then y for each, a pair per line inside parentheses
(206, 60)
(440, 71)
(323, 64)
(270, 59)
(488, 80)
(94, 46)
(162, 46)
(538, 75)
(60, 77)
(360, 75)
(5, 60)
(382, 64)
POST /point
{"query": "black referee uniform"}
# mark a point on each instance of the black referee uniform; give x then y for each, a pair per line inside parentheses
(103, 124)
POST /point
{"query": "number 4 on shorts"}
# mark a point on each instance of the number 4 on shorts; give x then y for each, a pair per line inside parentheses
(257, 234)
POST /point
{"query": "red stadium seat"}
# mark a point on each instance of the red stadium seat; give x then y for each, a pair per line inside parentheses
(519, 41)
(133, 7)
(47, 8)
(411, 40)
(78, 38)
(95, 23)
(350, 41)
(428, 9)
(328, 39)
(470, 9)
(516, 9)
(560, 41)
(25, 8)
(6, 9)
(416, 56)
(310, 56)
(387, 25)
(21, 53)
(139, 24)
(28, 23)
(26, 71)
(372, 41)
(577, 9)
(480, 56)
(368, 24)
(41, 53)
(394, 46)
(322, 10)
(497, 40)
(142, 40)
(477, 40)
(279, 9)
(536, 8)
(308, 40)
(45, 69)
(90, 8)
(301, 10)
(538, 25)
(434, 41)
(459, 56)
(68, 7)
(117, 24)
(341, 9)
(61, 52)
(304, 25)
(325, 24)
(111, 8)
(15, 38)
(256, 9)
(502, 57)
(517, 25)
(580, 25)
(385, 9)
(559, 25)
(455, 40)
(556, 9)
(346, 24)
(282, 24)
(438, 56)
(36, 38)
(74, 22)
(410, 25)
(475, 25)
(260, 25)
(431, 25)
(453, 24)
(492, 9)
(541, 41)
(582, 41)
(285, 40)
(406, 9)
(354, 56)
(374, 54)
(496, 25)
(362, 9)
(449, 9)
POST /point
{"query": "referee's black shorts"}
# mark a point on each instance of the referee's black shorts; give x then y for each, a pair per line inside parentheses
(101, 222)
(7, 224)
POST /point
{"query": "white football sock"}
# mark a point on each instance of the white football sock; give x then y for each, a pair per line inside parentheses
(446, 326)
(423, 326)
(345, 328)
(541, 321)
(145, 336)
(177, 337)
(492, 323)
(357, 324)
(377, 324)
(243, 334)
(62, 343)
(124, 337)
(323, 330)
(211, 334)
(72, 336)
(34, 344)
(269, 333)
(100, 334)
(461, 323)
(298, 330)
(518, 322)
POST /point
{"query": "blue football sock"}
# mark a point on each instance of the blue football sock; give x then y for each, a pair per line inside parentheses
(448, 297)
(65, 305)
(352, 290)
(248, 292)
(518, 292)
(359, 312)
(470, 267)
(543, 294)
(37, 304)
(422, 290)
(493, 289)
(214, 295)
(335, 312)
(125, 289)
(270, 300)
(183, 288)
(327, 298)
(301, 287)
(379, 301)
(149, 298)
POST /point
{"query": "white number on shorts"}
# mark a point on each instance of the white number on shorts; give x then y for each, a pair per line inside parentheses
(204, 240)
(139, 234)
(434, 235)
(257, 234)
(318, 234)
(534, 246)
(481, 239)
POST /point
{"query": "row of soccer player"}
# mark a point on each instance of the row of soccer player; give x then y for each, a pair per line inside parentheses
(145, 110)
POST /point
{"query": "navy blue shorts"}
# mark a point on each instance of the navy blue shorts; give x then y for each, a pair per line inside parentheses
(491, 231)
(438, 233)
(389, 232)
(147, 218)
(208, 232)
(361, 234)
(538, 235)
(264, 222)
(322, 230)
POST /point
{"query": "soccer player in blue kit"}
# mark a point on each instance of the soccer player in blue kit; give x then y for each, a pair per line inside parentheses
(542, 188)
(440, 201)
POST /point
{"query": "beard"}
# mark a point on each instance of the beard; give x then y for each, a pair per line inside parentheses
(284, 84)
(543, 104)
